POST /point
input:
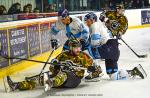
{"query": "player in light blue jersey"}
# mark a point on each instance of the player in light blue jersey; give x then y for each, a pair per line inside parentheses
(69, 27)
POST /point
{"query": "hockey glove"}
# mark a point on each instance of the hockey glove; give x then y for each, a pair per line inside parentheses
(91, 69)
(66, 66)
(102, 18)
(56, 64)
(54, 43)
(82, 41)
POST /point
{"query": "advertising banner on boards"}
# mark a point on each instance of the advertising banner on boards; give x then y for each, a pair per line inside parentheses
(18, 43)
(45, 37)
(145, 16)
(34, 40)
(3, 48)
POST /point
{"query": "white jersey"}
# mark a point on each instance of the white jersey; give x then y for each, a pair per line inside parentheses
(76, 27)
(98, 33)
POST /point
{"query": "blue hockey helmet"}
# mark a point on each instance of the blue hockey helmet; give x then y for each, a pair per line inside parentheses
(91, 16)
(63, 13)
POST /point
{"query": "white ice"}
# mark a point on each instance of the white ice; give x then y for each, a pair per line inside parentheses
(138, 39)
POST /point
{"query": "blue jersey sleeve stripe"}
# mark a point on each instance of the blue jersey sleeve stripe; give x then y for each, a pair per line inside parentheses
(95, 36)
(85, 34)
(54, 30)
(77, 35)
(84, 31)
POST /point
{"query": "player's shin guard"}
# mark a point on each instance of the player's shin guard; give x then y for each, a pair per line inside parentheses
(38, 79)
(119, 75)
(59, 79)
(12, 86)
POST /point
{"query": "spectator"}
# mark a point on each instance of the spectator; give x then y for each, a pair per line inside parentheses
(111, 4)
(131, 4)
(106, 7)
(2, 10)
(126, 5)
(36, 10)
(26, 9)
(37, 13)
(30, 7)
(143, 4)
(138, 4)
(50, 8)
(15, 9)
(146, 3)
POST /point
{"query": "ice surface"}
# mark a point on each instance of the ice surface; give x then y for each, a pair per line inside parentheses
(138, 39)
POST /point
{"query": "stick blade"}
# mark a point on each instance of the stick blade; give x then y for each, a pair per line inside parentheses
(142, 56)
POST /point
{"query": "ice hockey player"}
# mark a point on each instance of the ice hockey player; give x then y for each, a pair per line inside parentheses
(69, 27)
(102, 45)
(117, 25)
(115, 20)
(68, 75)
(98, 37)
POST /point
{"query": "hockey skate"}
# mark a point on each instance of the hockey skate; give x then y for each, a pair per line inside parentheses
(9, 84)
(94, 76)
(138, 71)
(47, 83)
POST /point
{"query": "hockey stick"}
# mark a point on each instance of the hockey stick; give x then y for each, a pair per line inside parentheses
(6, 57)
(118, 36)
(139, 56)
(47, 61)
(63, 66)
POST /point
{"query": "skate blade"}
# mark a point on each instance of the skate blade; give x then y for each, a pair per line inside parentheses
(141, 69)
(46, 86)
(6, 86)
(100, 75)
(93, 80)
